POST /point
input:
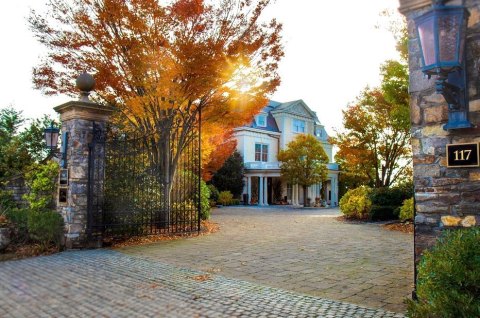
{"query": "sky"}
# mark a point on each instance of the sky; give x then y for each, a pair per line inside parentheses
(332, 52)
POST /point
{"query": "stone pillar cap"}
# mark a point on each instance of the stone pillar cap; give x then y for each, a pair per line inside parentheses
(410, 5)
(84, 110)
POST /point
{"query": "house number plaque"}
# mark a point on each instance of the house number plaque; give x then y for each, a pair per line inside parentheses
(462, 155)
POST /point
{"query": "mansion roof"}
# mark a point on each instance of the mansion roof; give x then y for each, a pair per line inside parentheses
(296, 108)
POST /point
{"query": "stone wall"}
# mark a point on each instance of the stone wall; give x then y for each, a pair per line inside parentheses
(18, 188)
(445, 197)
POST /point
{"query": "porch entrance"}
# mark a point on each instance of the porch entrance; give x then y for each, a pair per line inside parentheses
(265, 190)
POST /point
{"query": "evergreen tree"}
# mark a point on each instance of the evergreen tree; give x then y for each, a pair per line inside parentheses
(230, 176)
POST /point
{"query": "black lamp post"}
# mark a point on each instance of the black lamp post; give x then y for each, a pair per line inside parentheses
(441, 34)
(51, 137)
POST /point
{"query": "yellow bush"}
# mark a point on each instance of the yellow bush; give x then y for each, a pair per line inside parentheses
(356, 203)
(406, 211)
(225, 197)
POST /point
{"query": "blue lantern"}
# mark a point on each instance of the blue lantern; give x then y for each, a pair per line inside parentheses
(51, 137)
(441, 34)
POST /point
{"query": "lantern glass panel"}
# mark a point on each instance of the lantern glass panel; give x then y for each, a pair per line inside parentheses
(463, 29)
(427, 39)
(448, 29)
(51, 138)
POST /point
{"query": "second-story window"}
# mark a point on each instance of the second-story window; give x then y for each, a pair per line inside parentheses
(261, 120)
(298, 125)
(261, 152)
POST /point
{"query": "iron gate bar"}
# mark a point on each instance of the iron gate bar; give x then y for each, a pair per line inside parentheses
(139, 197)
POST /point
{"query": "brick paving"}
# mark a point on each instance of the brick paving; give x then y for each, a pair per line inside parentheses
(301, 250)
(105, 283)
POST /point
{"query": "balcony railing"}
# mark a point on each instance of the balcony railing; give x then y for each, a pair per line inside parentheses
(262, 165)
(256, 165)
(332, 166)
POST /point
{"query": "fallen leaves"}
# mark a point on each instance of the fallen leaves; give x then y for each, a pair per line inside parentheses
(202, 278)
(206, 228)
(19, 251)
(401, 227)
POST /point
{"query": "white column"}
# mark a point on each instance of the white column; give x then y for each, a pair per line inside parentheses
(334, 191)
(297, 197)
(245, 184)
(265, 191)
(295, 194)
(249, 189)
(260, 191)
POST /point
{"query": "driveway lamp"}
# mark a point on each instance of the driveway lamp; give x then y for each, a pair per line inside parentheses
(441, 33)
(51, 137)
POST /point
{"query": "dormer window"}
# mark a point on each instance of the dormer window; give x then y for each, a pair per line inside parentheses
(261, 120)
(318, 132)
(298, 126)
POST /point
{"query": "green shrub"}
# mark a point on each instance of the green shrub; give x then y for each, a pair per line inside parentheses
(213, 192)
(184, 212)
(386, 202)
(449, 277)
(225, 197)
(41, 181)
(407, 210)
(204, 201)
(45, 227)
(6, 200)
(235, 202)
(356, 203)
(384, 212)
(18, 223)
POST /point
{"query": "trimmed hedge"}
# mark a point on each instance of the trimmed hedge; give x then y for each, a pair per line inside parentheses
(382, 213)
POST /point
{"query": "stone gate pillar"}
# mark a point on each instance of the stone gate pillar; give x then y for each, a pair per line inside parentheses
(77, 119)
(446, 197)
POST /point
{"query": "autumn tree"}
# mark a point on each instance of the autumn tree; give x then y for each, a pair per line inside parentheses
(161, 65)
(303, 162)
(374, 148)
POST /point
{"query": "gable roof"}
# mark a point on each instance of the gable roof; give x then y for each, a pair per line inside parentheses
(271, 122)
(296, 107)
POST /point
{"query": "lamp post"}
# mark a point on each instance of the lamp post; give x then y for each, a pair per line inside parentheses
(441, 34)
(51, 137)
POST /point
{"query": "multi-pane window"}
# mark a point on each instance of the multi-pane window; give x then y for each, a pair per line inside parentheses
(261, 152)
(261, 120)
(299, 125)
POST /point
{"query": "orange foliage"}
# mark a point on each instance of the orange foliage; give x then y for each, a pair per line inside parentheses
(149, 57)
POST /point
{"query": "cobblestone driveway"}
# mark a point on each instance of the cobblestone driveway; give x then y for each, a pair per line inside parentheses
(104, 283)
(305, 251)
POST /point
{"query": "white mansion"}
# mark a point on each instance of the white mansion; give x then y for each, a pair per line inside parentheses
(258, 143)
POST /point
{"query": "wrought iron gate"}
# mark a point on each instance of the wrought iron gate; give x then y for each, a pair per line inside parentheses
(143, 184)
